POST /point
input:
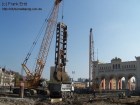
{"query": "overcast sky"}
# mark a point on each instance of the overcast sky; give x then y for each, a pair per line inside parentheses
(115, 23)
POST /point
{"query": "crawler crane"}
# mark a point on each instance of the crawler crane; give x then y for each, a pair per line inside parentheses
(60, 86)
(34, 78)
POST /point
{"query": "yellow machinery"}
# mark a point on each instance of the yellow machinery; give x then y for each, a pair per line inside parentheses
(33, 78)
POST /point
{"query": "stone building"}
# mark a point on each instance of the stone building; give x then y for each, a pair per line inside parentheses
(6, 77)
(110, 75)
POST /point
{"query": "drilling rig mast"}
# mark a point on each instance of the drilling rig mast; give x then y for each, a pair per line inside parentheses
(60, 53)
(91, 59)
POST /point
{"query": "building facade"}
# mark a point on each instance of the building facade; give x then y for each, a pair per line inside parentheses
(79, 85)
(118, 74)
(6, 77)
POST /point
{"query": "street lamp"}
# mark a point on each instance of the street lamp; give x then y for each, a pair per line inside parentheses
(73, 72)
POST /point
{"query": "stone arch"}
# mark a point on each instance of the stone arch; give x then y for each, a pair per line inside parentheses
(131, 85)
(120, 82)
(103, 82)
(112, 82)
(132, 74)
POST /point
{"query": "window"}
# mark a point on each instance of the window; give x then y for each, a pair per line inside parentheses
(134, 66)
(113, 66)
(118, 66)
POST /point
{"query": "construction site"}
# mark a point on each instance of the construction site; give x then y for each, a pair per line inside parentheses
(102, 89)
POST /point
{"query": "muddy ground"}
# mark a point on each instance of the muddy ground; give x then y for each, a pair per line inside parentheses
(76, 100)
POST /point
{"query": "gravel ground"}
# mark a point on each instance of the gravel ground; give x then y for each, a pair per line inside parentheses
(16, 101)
(25, 101)
(77, 100)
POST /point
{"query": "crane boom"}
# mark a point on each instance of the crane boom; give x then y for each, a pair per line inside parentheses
(46, 42)
(44, 49)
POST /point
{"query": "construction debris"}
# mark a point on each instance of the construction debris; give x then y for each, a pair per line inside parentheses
(82, 99)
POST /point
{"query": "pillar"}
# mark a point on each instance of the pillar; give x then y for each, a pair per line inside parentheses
(110, 84)
(107, 83)
(120, 83)
(126, 82)
(129, 84)
(117, 82)
(103, 83)
(100, 83)
(137, 84)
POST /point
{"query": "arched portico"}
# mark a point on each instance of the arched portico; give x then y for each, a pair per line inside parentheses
(117, 82)
(118, 74)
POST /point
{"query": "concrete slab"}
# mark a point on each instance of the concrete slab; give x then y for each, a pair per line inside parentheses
(54, 100)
